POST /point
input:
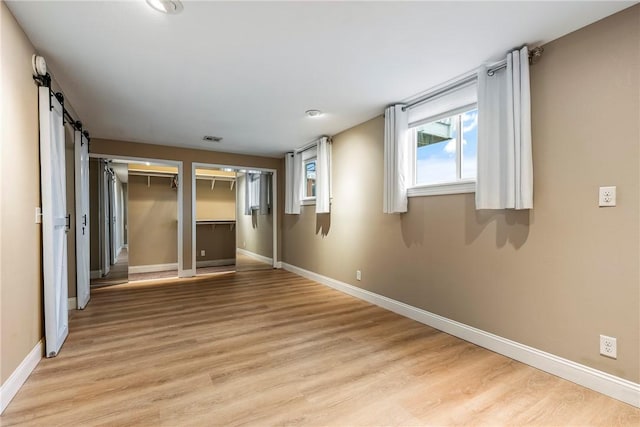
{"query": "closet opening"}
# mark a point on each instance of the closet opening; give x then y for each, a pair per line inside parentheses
(233, 211)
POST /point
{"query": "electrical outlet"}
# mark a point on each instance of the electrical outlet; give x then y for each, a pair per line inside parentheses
(202, 252)
(358, 275)
(607, 196)
(609, 346)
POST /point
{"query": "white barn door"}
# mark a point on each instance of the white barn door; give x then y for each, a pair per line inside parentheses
(54, 221)
(83, 267)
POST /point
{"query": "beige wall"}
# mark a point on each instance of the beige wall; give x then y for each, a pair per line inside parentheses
(219, 203)
(555, 278)
(255, 232)
(20, 251)
(113, 149)
(153, 221)
(218, 243)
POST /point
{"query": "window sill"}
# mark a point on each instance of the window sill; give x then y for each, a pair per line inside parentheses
(312, 201)
(460, 187)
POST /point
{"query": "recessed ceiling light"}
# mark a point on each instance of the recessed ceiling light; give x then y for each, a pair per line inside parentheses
(170, 7)
(313, 113)
(210, 138)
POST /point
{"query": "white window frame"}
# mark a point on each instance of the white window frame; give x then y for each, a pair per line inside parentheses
(307, 156)
(459, 186)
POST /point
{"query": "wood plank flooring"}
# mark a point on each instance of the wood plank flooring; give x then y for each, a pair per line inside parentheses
(271, 348)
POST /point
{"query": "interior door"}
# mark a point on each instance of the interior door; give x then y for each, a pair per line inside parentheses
(54, 221)
(83, 247)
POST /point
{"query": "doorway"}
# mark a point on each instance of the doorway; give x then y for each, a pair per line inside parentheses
(233, 227)
(139, 217)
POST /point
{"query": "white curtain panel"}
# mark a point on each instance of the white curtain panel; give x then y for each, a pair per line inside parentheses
(505, 165)
(288, 183)
(296, 190)
(323, 176)
(247, 194)
(397, 158)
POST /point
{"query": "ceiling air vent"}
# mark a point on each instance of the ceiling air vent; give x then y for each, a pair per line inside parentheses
(210, 138)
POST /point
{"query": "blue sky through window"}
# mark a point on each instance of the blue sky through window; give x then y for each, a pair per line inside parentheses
(436, 163)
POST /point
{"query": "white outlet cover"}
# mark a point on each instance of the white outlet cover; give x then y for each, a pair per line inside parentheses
(609, 346)
(607, 196)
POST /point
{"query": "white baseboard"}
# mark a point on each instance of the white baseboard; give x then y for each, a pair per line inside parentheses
(95, 274)
(602, 382)
(72, 303)
(215, 262)
(12, 385)
(279, 264)
(186, 273)
(255, 256)
(133, 269)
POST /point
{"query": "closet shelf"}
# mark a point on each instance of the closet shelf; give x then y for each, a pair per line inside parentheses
(213, 222)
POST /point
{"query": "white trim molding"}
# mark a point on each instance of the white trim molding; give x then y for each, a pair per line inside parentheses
(255, 256)
(216, 262)
(602, 382)
(182, 274)
(459, 187)
(72, 303)
(153, 268)
(13, 384)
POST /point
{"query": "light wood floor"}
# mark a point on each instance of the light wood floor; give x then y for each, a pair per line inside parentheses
(271, 348)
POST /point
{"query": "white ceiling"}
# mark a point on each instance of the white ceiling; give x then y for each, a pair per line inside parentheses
(247, 71)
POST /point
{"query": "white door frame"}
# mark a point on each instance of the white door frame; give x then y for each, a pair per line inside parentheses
(54, 221)
(83, 237)
(180, 196)
(274, 187)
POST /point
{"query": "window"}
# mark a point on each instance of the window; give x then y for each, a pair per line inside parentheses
(446, 153)
(309, 159)
(309, 179)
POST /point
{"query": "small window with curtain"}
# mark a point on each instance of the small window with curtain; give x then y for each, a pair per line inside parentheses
(444, 132)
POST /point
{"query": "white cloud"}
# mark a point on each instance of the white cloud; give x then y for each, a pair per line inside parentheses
(450, 147)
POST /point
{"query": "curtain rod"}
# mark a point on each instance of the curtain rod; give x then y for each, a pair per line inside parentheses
(462, 82)
(310, 145)
(534, 56)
